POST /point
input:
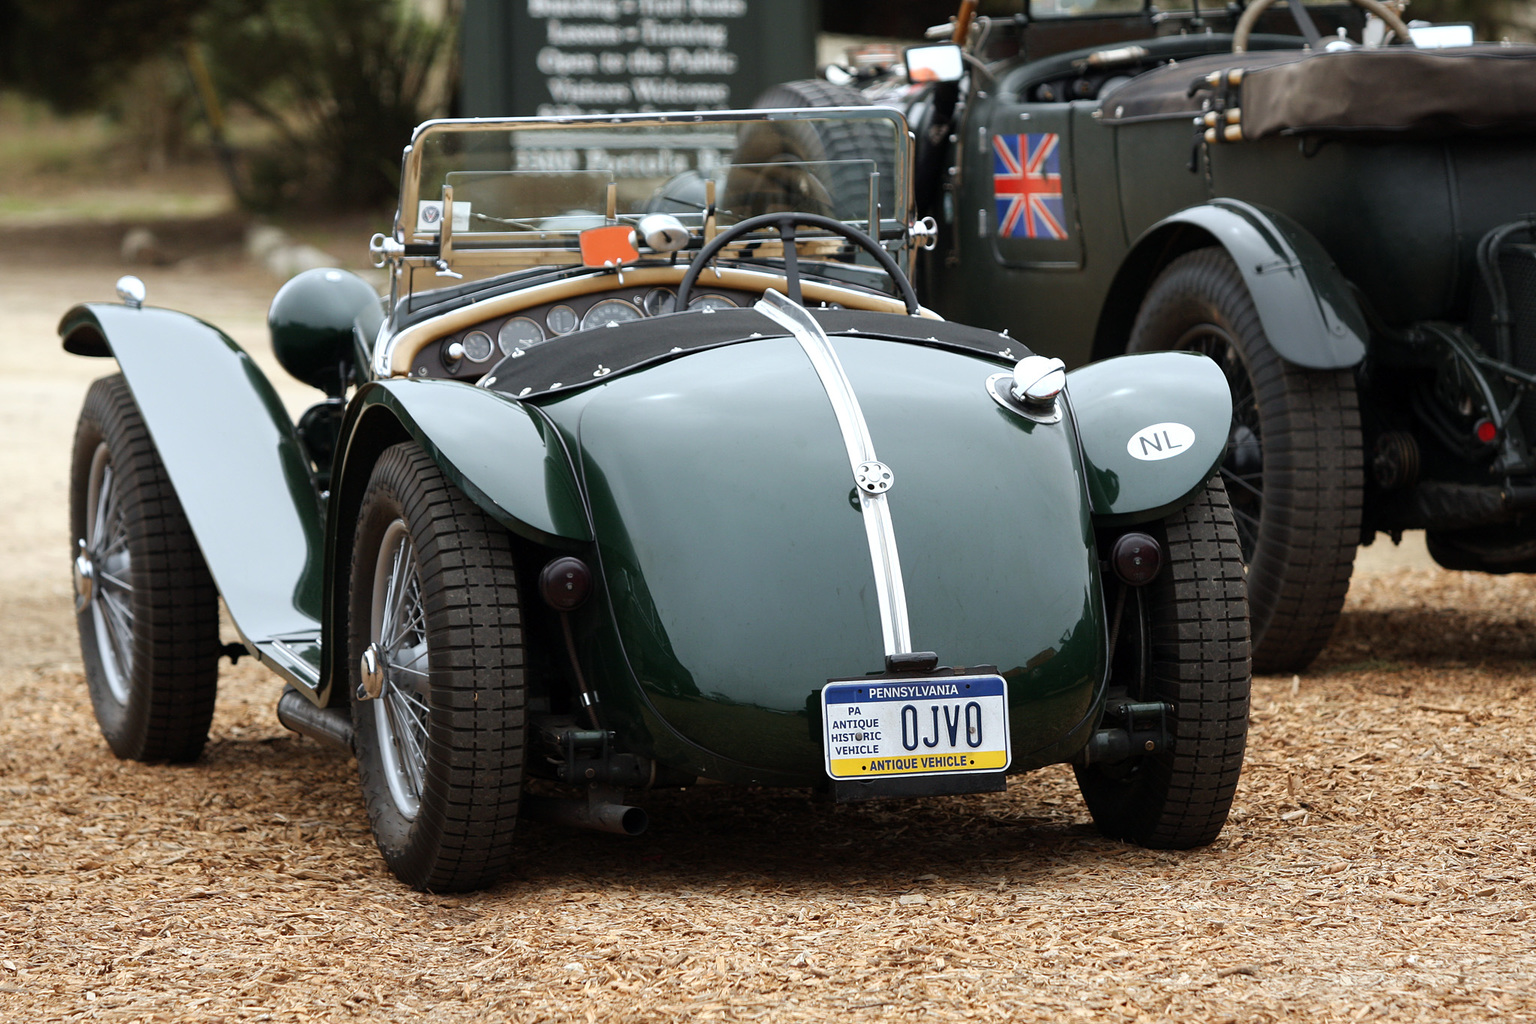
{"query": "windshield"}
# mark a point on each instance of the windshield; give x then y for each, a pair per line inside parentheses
(1094, 8)
(524, 189)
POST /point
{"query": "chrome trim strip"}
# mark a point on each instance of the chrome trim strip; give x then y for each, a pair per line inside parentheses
(889, 590)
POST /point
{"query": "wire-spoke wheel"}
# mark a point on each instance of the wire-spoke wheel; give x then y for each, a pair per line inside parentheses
(145, 605)
(1181, 639)
(435, 640)
(1293, 468)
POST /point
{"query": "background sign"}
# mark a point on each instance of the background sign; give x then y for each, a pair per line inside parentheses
(554, 57)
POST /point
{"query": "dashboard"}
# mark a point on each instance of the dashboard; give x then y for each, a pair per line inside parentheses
(468, 353)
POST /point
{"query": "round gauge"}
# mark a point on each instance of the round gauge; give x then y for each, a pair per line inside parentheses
(519, 333)
(658, 301)
(562, 320)
(710, 302)
(609, 312)
(478, 346)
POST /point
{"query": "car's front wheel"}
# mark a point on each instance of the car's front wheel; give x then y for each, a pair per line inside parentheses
(436, 648)
(146, 607)
(1293, 468)
(1181, 640)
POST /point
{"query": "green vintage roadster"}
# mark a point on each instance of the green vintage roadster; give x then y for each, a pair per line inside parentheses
(649, 468)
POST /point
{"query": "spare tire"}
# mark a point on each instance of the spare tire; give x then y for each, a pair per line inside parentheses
(843, 186)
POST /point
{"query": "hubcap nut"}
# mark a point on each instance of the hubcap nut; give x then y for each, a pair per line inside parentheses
(371, 683)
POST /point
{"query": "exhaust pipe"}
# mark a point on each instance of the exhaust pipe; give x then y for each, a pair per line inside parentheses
(330, 726)
(595, 813)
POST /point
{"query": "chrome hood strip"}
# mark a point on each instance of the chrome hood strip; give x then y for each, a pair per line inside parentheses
(889, 590)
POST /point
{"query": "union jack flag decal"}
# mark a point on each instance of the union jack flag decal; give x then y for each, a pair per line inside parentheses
(1026, 182)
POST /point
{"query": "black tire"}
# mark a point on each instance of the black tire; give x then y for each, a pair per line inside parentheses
(1294, 468)
(845, 188)
(440, 749)
(146, 607)
(1183, 638)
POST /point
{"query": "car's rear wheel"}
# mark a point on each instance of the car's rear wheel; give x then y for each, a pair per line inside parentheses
(146, 607)
(436, 648)
(1181, 639)
(1293, 468)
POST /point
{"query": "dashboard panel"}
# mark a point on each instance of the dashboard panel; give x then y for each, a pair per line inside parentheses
(468, 353)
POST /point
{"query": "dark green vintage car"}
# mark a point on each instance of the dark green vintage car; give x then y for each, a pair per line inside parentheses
(1342, 219)
(651, 468)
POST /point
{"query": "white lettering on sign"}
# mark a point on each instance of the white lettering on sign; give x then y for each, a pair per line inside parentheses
(1160, 441)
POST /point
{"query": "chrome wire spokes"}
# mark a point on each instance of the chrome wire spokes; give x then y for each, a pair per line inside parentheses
(399, 631)
(105, 571)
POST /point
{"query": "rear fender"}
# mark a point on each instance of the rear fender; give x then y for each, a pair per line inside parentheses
(1308, 311)
(1152, 428)
(504, 455)
(236, 465)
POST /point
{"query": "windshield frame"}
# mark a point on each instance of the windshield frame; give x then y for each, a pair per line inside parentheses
(405, 226)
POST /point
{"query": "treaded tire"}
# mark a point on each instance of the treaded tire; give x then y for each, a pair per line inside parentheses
(1183, 639)
(832, 140)
(149, 634)
(468, 631)
(1294, 469)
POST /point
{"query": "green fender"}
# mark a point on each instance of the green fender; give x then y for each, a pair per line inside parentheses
(1152, 428)
(1308, 311)
(503, 454)
(237, 467)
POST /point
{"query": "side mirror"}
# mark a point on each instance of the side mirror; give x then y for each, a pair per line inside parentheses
(941, 63)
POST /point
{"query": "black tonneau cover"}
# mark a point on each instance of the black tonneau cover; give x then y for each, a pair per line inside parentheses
(589, 357)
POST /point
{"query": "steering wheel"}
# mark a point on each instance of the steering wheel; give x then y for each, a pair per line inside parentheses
(785, 224)
(1257, 7)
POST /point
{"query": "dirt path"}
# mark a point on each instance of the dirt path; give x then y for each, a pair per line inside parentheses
(1378, 865)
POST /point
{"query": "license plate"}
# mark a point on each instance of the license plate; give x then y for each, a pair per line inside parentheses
(941, 725)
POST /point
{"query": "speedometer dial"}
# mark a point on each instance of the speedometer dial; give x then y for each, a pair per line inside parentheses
(610, 312)
(519, 334)
(561, 320)
(710, 302)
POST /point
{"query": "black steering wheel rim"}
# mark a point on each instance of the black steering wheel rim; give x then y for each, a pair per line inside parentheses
(785, 224)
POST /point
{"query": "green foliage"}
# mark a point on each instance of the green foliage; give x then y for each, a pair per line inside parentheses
(341, 81)
(74, 54)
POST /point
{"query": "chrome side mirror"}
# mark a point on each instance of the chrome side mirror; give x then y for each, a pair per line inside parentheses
(941, 63)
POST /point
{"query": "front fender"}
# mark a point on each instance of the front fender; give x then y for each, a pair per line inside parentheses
(1308, 311)
(1129, 410)
(236, 465)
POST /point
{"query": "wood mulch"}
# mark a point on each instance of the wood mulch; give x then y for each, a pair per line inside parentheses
(1378, 866)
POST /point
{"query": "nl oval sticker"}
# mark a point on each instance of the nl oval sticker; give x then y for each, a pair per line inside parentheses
(1160, 441)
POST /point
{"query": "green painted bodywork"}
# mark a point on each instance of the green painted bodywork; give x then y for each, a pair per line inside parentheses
(1114, 399)
(237, 466)
(1076, 299)
(493, 448)
(738, 573)
(1308, 312)
(311, 319)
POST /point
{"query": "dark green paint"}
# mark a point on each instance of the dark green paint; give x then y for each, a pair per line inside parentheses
(1306, 307)
(1113, 399)
(740, 578)
(311, 320)
(493, 448)
(232, 456)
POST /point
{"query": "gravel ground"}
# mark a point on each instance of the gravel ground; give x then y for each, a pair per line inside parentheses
(1378, 863)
